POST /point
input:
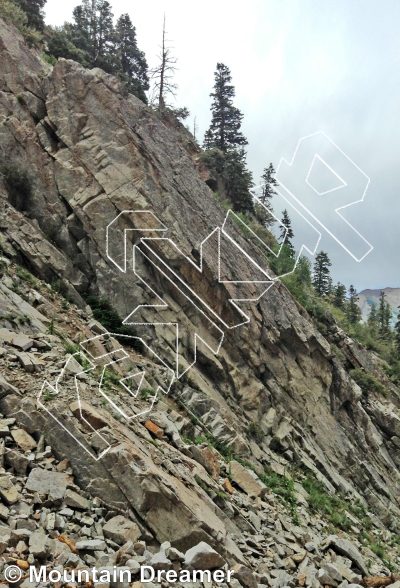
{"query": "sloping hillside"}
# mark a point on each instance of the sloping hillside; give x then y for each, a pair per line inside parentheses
(275, 412)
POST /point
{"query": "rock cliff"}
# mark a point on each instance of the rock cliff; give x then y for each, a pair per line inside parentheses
(276, 396)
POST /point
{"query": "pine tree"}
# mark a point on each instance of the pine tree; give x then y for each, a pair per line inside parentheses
(93, 33)
(384, 316)
(133, 61)
(208, 141)
(397, 334)
(238, 180)
(321, 280)
(353, 310)
(34, 12)
(224, 132)
(339, 296)
(373, 317)
(286, 230)
(265, 215)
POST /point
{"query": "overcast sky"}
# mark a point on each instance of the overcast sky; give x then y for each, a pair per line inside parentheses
(299, 67)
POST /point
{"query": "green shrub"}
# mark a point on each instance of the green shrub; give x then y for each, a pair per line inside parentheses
(109, 318)
(24, 275)
(367, 381)
(254, 430)
(71, 348)
(145, 392)
(12, 13)
(49, 58)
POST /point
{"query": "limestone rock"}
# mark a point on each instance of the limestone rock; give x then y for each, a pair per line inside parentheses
(39, 545)
(8, 492)
(121, 530)
(85, 412)
(345, 547)
(245, 576)
(54, 484)
(247, 480)
(18, 340)
(90, 545)
(204, 455)
(24, 440)
(75, 500)
(203, 557)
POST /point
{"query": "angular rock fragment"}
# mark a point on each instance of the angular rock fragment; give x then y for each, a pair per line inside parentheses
(17, 340)
(204, 455)
(245, 576)
(8, 492)
(39, 545)
(247, 480)
(153, 428)
(203, 557)
(23, 439)
(91, 545)
(47, 482)
(121, 530)
(75, 500)
(85, 412)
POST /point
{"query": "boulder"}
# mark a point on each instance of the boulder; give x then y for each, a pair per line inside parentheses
(346, 548)
(17, 461)
(121, 530)
(203, 557)
(204, 455)
(23, 439)
(174, 554)
(160, 561)
(91, 545)
(154, 429)
(18, 340)
(7, 388)
(85, 412)
(47, 482)
(8, 493)
(245, 576)
(5, 536)
(247, 480)
(39, 545)
(75, 500)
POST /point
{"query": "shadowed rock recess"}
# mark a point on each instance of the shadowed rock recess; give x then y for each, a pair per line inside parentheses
(268, 453)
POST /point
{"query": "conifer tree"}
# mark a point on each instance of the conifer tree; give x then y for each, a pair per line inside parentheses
(133, 61)
(397, 334)
(339, 296)
(93, 41)
(353, 310)
(238, 180)
(373, 317)
(286, 230)
(93, 33)
(321, 280)
(384, 316)
(224, 132)
(34, 11)
(265, 215)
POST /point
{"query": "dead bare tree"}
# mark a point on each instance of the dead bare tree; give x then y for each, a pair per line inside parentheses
(163, 74)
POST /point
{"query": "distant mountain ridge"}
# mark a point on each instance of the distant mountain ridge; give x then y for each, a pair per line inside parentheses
(367, 297)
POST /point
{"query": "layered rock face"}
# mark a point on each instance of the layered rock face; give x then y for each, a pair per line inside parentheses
(91, 152)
